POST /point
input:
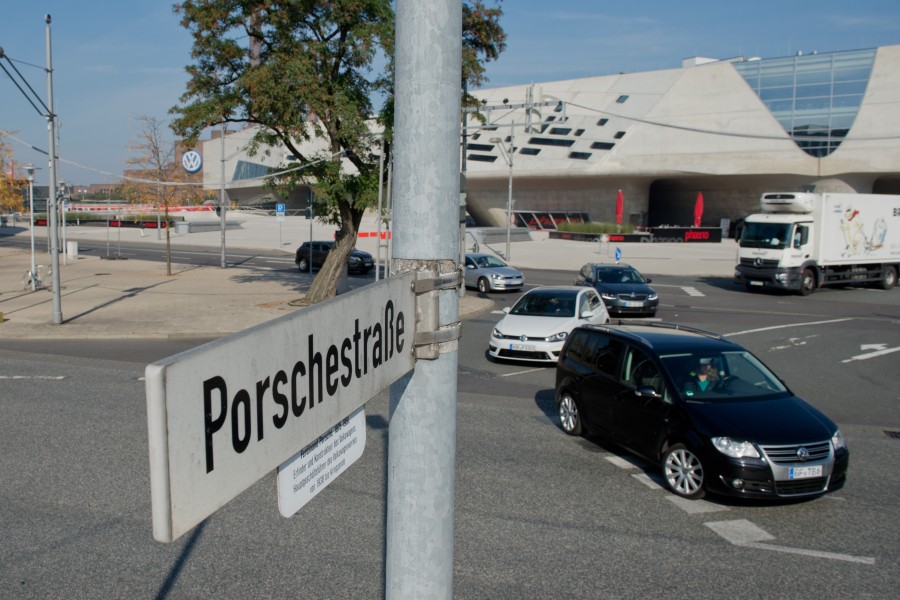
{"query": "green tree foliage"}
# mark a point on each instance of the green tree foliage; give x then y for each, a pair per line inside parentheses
(308, 70)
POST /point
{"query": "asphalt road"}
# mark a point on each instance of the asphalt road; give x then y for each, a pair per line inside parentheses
(538, 514)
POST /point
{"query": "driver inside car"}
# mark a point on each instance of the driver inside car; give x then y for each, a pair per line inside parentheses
(702, 379)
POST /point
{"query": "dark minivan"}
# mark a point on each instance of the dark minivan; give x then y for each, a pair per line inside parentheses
(706, 410)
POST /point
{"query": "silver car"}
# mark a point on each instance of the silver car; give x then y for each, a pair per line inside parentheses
(488, 273)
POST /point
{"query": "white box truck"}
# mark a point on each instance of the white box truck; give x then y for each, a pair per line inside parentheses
(802, 241)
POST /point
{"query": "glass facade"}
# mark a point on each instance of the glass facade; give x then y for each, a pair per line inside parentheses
(815, 97)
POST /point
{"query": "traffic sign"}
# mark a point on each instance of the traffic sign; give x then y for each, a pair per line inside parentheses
(618, 253)
(223, 415)
(192, 161)
(279, 212)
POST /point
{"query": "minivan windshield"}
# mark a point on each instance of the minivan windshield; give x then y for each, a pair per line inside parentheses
(712, 376)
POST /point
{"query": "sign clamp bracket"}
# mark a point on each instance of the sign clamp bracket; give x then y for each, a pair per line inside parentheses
(432, 338)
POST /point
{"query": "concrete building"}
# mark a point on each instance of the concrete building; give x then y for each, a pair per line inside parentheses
(731, 129)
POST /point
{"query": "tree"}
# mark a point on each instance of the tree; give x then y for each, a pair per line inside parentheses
(308, 70)
(11, 183)
(157, 171)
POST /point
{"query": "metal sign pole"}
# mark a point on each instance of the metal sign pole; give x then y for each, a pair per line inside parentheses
(421, 468)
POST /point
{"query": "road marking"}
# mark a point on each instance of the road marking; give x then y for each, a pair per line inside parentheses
(692, 291)
(627, 461)
(520, 372)
(743, 533)
(650, 481)
(695, 507)
(787, 326)
(51, 377)
(871, 354)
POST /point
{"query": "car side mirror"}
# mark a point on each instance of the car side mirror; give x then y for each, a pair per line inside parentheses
(587, 314)
(470, 266)
(646, 391)
(506, 309)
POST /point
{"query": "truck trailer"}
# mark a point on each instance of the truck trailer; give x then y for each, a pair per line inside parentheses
(803, 241)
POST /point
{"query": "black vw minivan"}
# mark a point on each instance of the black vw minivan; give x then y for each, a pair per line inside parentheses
(705, 409)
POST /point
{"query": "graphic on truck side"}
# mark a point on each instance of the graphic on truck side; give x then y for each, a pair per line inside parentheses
(856, 242)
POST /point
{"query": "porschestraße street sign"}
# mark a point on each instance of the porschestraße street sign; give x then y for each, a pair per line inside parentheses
(224, 414)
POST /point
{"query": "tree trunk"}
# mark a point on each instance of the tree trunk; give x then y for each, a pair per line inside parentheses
(325, 285)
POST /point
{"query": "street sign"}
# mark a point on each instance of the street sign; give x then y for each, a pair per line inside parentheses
(310, 471)
(224, 414)
(279, 212)
(191, 161)
(618, 254)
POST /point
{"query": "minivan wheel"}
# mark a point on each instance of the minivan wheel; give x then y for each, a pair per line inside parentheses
(683, 472)
(483, 286)
(569, 418)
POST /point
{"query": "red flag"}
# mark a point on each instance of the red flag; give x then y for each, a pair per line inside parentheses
(619, 207)
(698, 209)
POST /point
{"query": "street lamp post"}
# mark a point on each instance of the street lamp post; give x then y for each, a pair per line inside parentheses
(29, 171)
(508, 156)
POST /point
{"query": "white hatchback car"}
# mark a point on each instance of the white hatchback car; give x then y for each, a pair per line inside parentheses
(535, 328)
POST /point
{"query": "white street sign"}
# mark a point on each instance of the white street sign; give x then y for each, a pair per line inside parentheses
(310, 471)
(224, 414)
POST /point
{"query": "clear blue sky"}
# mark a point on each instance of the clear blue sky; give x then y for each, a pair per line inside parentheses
(116, 60)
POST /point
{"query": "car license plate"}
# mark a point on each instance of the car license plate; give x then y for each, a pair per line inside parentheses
(525, 347)
(630, 304)
(757, 283)
(804, 472)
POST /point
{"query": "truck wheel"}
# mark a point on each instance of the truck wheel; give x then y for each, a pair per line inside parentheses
(807, 282)
(888, 278)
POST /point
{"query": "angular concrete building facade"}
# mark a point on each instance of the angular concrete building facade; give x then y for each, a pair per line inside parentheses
(729, 129)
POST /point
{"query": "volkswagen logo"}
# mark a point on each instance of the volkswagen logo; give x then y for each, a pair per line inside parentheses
(802, 453)
(523, 338)
(192, 161)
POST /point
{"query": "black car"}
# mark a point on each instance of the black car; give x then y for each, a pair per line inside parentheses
(623, 289)
(317, 252)
(700, 406)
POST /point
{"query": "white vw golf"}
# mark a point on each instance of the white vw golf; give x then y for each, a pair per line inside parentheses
(535, 328)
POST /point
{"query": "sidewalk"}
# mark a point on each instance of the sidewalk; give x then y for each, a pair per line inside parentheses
(132, 298)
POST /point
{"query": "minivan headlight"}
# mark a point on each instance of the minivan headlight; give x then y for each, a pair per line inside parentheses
(837, 440)
(735, 448)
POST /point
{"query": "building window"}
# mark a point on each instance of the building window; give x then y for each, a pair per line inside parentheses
(580, 155)
(561, 131)
(622, 99)
(530, 151)
(815, 97)
(482, 157)
(480, 147)
(619, 135)
(537, 141)
(602, 122)
(602, 145)
(578, 132)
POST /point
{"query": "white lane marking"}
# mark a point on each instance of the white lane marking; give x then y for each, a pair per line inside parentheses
(695, 507)
(787, 326)
(692, 291)
(620, 462)
(648, 480)
(741, 532)
(51, 377)
(871, 354)
(521, 372)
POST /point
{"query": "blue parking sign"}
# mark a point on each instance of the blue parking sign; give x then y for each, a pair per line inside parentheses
(618, 254)
(279, 208)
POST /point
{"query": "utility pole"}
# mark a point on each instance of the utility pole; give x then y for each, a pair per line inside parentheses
(52, 175)
(222, 196)
(422, 434)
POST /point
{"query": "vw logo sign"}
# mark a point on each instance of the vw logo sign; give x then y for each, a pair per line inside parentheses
(192, 161)
(802, 454)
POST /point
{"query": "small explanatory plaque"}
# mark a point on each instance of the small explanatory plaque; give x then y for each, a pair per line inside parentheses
(309, 471)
